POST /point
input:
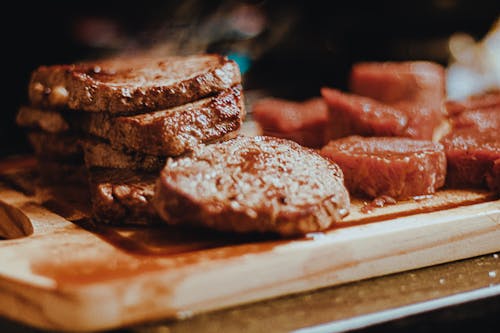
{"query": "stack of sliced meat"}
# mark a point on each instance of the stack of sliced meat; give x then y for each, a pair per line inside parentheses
(473, 144)
(121, 118)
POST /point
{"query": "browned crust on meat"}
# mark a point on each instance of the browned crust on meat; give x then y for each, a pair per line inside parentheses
(132, 85)
(252, 184)
(174, 131)
(122, 197)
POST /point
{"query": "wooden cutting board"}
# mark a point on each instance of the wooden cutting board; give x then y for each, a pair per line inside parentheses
(60, 271)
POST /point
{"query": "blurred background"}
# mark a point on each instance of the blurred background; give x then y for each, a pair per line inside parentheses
(285, 49)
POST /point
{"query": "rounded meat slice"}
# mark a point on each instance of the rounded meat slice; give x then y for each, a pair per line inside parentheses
(397, 167)
(250, 184)
(357, 115)
(471, 157)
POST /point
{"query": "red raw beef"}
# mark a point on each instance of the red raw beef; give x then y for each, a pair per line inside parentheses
(473, 144)
(302, 122)
(471, 156)
(397, 167)
(356, 115)
(417, 88)
(482, 120)
(482, 101)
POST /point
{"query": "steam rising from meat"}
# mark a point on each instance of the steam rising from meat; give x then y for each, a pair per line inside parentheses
(242, 31)
(476, 66)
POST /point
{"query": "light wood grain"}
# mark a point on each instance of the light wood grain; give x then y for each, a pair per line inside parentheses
(64, 277)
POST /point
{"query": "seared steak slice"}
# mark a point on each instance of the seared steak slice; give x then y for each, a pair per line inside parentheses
(168, 132)
(397, 167)
(103, 155)
(174, 131)
(302, 122)
(417, 88)
(356, 115)
(122, 196)
(132, 84)
(249, 184)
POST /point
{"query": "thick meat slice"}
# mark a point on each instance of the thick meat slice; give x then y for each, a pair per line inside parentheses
(168, 132)
(302, 122)
(122, 197)
(356, 115)
(487, 100)
(174, 131)
(471, 157)
(417, 88)
(249, 184)
(132, 84)
(473, 144)
(397, 167)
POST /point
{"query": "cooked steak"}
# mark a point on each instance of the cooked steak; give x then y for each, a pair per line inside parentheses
(302, 122)
(62, 147)
(471, 156)
(168, 132)
(122, 196)
(103, 155)
(252, 184)
(174, 131)
(397, 167)
(132, 84)
(417, 88)
(356, 115)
